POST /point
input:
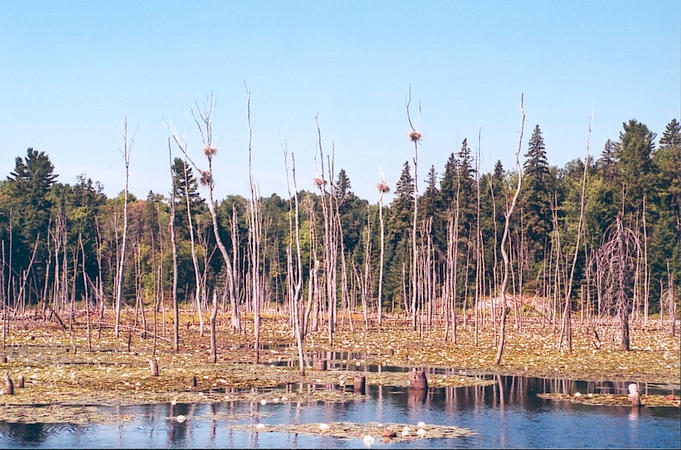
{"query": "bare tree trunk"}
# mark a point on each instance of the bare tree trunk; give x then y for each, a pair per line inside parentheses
(382, 189)
(646, 270)
(127, 148)
(213, 338)
(415, 136)
(86, 299)
(256, 236)
(504, 254)
(197, 277)
(171, 226)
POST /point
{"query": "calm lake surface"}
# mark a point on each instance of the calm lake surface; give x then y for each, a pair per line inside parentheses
(506, 414)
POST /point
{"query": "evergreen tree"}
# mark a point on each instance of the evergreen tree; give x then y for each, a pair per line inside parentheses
(399, 232)
(342, 187)
(672, 135)
(536, 196)
(183, 183)
(431, 197)
(467, 193)
(607, 162)
(448, 183)
(31, 180)
(635, 164)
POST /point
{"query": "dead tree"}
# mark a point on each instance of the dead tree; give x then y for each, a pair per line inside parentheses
(125, 152)
(197, 276)
(567, 319)
(383, 188)
(171, 226)
(330, 245)
(256, 237)
(415, 137)
(504, 253)
(295, 275)
(615, 260)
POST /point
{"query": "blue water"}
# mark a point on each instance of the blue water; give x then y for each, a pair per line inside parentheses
(507, 414)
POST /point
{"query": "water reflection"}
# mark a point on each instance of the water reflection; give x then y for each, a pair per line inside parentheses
(505, 413)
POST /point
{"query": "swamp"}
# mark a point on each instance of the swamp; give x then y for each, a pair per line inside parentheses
(532, 307)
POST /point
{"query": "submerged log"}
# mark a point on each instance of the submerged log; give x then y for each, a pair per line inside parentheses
(360, 384)
(418, 380)
(9, 385)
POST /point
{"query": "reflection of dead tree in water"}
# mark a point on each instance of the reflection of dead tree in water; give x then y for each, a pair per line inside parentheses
(615, 262)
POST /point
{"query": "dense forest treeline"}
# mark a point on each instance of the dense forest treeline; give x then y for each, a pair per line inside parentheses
(61, 244)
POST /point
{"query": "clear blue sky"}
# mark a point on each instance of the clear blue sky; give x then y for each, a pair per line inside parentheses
(70, 71)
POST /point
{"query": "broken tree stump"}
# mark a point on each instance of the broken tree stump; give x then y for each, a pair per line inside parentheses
(418, 380)
(360, 384)
(20, 382)
(319, 364)
(3, 359)
(634, 395)
(195, 382)
(153, 366)
(9, 385)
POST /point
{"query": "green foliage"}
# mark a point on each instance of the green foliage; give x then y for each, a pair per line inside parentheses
(537, 189)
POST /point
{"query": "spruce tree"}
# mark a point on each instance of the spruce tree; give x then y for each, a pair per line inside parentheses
(448, 183)
(342, 187)
(536, 196)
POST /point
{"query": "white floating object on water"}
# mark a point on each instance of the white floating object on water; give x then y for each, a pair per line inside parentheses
(590, 394)
(260, 426)
(180, 418)
(405, 431)
(173, 402)
(263, 402)
(368, 440)
(421, 424)
(323, 426)
(578, 394)
(421, 432)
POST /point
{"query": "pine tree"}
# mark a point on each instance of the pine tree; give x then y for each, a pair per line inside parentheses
(672, 135)
(31, 180)
(607, 162)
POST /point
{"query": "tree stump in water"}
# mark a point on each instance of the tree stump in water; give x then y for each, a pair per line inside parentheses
(195, 382)
(153, 366)
(9, 385)
(418, 380)
(634, 396)
(20, 382)
(3, 359)
(360, 385)
(319, 364)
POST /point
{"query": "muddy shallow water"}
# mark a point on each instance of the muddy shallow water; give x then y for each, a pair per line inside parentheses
(506, 414)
